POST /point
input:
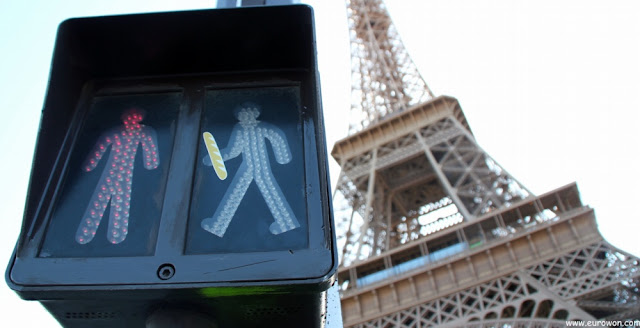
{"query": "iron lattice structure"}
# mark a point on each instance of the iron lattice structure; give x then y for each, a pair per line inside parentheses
(436, 233)
(384, 78)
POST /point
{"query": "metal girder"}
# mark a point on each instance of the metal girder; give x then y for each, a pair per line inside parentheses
(383, 76)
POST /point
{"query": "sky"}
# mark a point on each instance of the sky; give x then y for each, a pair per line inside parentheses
(550, 89)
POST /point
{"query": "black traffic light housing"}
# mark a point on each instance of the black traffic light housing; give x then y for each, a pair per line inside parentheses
(159, 82)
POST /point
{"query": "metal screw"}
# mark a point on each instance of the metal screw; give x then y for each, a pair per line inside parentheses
(166, 271)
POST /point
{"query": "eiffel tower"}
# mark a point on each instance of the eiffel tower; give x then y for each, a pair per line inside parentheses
(435, 232)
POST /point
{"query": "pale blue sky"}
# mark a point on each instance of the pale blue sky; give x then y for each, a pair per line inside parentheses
(550, 88)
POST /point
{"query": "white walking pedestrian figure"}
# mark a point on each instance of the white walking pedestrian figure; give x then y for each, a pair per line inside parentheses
(248, 138)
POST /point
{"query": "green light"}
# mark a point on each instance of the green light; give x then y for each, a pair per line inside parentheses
(238, 291)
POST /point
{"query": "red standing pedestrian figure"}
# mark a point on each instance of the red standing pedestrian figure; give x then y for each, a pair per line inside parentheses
(114, 187)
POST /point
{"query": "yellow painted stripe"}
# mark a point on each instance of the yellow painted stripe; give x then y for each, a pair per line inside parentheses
(214, 155)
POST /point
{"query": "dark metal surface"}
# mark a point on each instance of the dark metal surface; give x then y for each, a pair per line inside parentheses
(179, 318)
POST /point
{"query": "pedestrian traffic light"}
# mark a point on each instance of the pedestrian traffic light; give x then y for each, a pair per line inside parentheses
(181, 163)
